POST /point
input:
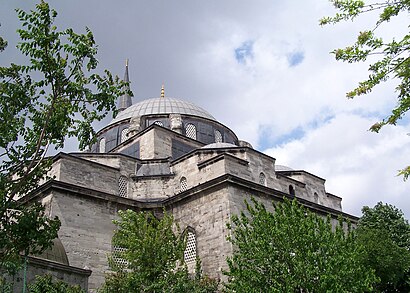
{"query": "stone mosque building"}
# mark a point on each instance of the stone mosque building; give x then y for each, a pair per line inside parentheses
(164, 153)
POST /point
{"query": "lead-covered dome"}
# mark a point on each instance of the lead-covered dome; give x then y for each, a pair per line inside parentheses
(163, 105)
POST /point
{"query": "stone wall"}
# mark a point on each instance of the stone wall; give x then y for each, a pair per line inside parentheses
(86, 231)
(39, 267)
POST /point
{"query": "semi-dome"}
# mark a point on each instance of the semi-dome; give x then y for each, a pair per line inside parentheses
(219, 145)
(163, 105)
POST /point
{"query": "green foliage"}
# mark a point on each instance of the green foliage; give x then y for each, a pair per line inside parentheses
(294, 250)
(54, 96)
(392, 56)
(385, 234)
(28, 231)
(5, 287)
(154, 256)
(45, 284)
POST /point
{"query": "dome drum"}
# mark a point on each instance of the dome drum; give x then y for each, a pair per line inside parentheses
(193, 122)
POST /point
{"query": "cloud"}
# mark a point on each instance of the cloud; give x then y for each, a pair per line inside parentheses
(360, 166)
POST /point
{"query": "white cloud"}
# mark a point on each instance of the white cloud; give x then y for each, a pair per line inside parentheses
(359, 166)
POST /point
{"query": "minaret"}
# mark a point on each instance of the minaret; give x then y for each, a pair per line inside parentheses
(125, 100)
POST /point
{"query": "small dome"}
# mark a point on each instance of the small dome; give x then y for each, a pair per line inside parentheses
(55, 253)
(282, 168)
(162, 106)
(219, 145)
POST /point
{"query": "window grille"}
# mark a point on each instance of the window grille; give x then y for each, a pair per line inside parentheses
(218, 136)
(124, 135)
(262, 179)
(190, 250)
(118, 256)
(122, 186)
(190, 131)
(183, 184)
(159, 123)
(102, 145)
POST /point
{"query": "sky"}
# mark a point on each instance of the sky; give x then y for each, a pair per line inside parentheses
(264, 69)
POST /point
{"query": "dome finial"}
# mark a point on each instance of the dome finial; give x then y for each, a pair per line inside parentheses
(162, 91)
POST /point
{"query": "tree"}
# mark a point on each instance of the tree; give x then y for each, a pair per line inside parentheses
(385, 234)
(54, 96)
(392, 57)
(151, 257)
(294, 250)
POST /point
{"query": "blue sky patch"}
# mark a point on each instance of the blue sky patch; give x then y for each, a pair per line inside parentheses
(244, 52)
(295, 58)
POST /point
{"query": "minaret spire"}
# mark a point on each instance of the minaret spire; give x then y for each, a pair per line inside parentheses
(125, 100)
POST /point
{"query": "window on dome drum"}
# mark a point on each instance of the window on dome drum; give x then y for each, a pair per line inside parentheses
(117, 254)
(262, 179)
(102, 145)
(218, 136)
(183, 185)
(190, 131)
(122, 186)
(291, 190)
(124, 135)
(190, 250)
(158, 123)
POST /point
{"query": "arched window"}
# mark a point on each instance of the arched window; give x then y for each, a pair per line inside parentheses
(218, 136)
(316, 197)
(291, 190)
(158, 123)
(117, 254)
(102, 145)
(183, 185)
(190, 131)
(190, 249)
(122, 186)
(124, 135)
(262, 179)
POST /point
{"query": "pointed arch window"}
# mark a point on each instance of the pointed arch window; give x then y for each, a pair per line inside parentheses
(183, 185)
(102, 145)
(315, 197)
(218, 136)
(262, 179)
(291, 190)
(122, 186)
(190, 130)
(190, 249)
(124, 135)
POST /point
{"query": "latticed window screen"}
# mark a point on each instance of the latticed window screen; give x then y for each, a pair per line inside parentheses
(124, 134)
(102, 145)
(262, 179)
(190, 131)
(158, 123)
(183, 184)
(122, 186)
(218, 136)
(118, 256)
(190, 250)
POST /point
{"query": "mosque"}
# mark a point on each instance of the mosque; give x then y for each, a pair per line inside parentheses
(164, 153)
